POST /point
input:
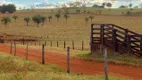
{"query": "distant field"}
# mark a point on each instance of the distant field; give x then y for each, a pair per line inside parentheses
(76, 28)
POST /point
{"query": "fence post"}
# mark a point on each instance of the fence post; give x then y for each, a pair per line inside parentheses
(30, 42)
(105, 64)
(91, 38)
(23, 41)
(82, 45)
(73, 45)
(27, 51)
(39, 42)
(102, 38)
(15, 48)
(35, 43)
(43, 60)
(68, 59)
(57, 44)
(11, 48)
(141, 43)
(64, 44)
(102, 34)
(51, 43)
(114, 40)
(45, 43)
(129, 44)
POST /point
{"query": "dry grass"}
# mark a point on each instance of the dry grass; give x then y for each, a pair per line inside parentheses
(76, 29)
(14, 68)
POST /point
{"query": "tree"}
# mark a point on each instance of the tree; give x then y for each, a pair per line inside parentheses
(15, 17)
(130, 5)
(43, 19)
(49, 18)
(104, 4)
(5, 20)
(58, 16)
(91, 17)
(122, 6)
(109, 5)
(86, 19)
(66, 16)
(37, 19)
(27, 20)
(8, 8)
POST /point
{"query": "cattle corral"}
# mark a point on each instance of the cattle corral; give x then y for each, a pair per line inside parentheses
(119, 39)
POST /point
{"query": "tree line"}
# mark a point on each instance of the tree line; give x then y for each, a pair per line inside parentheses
(40, 19)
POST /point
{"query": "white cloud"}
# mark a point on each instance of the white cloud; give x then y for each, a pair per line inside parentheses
(46, 4)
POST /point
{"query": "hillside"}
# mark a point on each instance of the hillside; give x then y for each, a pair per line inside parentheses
(14, 68)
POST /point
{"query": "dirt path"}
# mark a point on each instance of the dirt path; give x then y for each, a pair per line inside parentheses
(77, 65)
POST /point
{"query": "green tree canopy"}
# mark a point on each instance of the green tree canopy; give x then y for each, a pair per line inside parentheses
(5, 20)
(15, 17)
(49, 18)
(43, 19)
(37, 19)
(8, 8)
(57, 16)
(27, 20)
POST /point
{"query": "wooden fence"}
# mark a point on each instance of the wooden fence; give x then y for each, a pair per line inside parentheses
(75, 45)
(119, 39)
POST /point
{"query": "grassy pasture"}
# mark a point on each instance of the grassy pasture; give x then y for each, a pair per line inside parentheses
(76, 28)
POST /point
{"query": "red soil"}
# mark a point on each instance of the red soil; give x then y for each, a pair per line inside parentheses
(78, 65)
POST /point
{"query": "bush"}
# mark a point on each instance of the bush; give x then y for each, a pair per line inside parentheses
(128, 13)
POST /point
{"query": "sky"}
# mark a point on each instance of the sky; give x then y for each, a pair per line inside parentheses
(58, 3)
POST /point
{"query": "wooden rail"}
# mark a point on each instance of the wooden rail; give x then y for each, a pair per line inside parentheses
(119, 39)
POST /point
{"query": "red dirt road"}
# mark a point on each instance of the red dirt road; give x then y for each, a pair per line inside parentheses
(77, 65)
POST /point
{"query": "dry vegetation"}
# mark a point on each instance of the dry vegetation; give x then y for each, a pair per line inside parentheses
(76, 28)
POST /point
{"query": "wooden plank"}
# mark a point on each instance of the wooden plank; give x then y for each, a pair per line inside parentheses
(102, 34)
(136, 46)
(107, 29)
(134, 38)
(129, 44)
(96, 33)
(135, 41)
(91, 38)
(120, 36)
(109, 32)
(96, 29)
(118, 27)
(123, 42)
(141, 43)
(114, 40)
(121, 32)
